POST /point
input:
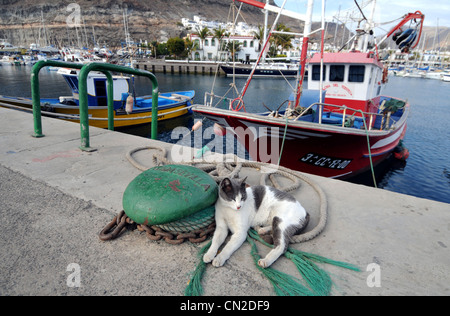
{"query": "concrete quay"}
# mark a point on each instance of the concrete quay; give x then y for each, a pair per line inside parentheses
(179, 67)
(55, 199)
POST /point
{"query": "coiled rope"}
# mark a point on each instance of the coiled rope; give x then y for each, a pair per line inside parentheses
(222, 170)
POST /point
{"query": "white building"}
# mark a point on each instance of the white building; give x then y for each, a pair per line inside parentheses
(189, 24)
(209, 48)
(199, 23)
(249, 46)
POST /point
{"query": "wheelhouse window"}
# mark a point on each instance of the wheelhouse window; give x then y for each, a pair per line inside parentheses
(316, 72)
(100, 87)
(73, 83)
(356, 73)
(337, 73)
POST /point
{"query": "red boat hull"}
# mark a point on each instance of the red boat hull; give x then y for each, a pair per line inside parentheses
(320, 149)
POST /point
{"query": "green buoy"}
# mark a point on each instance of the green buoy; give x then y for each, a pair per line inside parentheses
(177, 195)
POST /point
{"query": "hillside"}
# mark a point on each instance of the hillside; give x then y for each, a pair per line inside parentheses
(23, 22)
(440, 37)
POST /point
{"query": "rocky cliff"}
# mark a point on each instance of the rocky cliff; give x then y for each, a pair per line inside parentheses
(69, 22)
(23, 22)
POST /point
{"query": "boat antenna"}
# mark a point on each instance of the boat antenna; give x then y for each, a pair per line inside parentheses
(362, 13)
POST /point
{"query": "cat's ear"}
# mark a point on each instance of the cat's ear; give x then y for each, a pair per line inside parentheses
(243, 181)
(226, 185)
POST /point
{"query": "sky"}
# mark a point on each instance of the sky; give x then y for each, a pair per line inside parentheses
(386, 10)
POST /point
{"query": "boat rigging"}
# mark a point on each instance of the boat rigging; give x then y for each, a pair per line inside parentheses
(341, 125)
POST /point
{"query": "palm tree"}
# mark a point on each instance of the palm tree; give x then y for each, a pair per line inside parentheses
(219, 34)
(154, 46)
(259, 35)
(191, 46)
(203, 34)
(282, 40)
(233, 47)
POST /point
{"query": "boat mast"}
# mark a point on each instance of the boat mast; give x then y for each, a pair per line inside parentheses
(280, 12)
(369, 26)
(274, 9)
(304, 55)
(266, 23)
(322, 44)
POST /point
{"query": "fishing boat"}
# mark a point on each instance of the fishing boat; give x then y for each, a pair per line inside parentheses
(338, 128)
(271, 70)
(128, 109)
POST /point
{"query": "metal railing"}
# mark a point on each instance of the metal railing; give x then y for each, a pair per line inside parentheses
(370, 117)
(36, 93)
(83, 96)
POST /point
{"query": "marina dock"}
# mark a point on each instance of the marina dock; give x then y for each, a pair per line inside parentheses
(179, 67)
(55, 199)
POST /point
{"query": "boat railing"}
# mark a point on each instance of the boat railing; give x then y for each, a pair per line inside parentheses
(368, 118)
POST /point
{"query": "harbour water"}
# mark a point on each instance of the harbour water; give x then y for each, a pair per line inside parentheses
(426, 173)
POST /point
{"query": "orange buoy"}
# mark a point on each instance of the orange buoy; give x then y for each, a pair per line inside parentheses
(219, 130)
(129, 105)
(401, 152)
(197, 125)
(402, 155)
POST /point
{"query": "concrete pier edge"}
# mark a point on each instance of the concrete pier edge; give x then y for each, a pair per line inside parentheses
(55, 199)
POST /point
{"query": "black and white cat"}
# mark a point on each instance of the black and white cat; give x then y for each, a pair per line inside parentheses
(262, 207)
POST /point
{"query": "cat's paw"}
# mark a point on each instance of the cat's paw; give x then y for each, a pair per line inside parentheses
(207, 258)
(218, 261)
(263, 230)
(263, 263)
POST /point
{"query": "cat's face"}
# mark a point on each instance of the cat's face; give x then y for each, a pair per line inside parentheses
(232, 192)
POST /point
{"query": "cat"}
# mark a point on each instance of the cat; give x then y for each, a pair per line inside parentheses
(240, 207)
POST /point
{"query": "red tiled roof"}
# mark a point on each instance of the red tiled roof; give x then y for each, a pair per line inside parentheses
(346, 58)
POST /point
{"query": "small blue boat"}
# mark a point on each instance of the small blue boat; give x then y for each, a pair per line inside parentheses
(128, 109)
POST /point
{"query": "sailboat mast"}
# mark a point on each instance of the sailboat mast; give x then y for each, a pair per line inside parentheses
(250, 77)
(266, 23)
(304, 55)
(307, 31)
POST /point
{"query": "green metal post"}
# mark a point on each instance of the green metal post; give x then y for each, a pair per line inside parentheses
(110, 89)
(82, 87)
(155, 96)
(83, 104)
(36, 94)
(36, 99)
